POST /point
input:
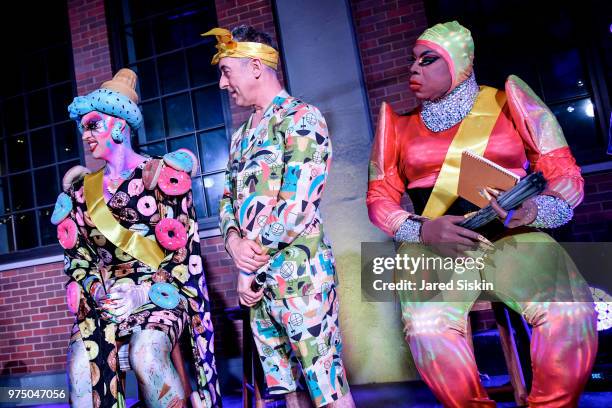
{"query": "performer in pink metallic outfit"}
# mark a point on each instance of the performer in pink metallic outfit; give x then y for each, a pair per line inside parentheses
(417, 153)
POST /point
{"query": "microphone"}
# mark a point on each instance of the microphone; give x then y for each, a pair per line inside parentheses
(258, 282)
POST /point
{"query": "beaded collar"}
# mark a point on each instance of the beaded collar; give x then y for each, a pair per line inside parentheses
(452, 108)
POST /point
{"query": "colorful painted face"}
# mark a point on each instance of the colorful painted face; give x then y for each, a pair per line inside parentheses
(430, 77)
(238, 79)
(97, 129)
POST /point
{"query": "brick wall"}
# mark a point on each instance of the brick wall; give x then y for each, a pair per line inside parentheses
(221, 277)
(90, 51)
(92, 64)
(386, 32)
(593, 218)
(257, 13)
(34, 320)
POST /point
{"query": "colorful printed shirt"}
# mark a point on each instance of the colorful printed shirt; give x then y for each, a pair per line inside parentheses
(273, 185)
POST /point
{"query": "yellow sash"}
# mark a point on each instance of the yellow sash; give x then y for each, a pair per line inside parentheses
(139, 247)
(473, 134)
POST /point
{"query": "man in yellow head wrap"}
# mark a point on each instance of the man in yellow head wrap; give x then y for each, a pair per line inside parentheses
(227, 46)
(421, 153)
(272, 226)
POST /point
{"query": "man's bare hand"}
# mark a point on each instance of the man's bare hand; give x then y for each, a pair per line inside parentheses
(247, 254)
(245, 294)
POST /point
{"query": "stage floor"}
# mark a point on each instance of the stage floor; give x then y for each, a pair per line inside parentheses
(417, 395)
(399, 395)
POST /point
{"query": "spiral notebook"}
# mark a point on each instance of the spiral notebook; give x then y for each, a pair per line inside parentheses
(477, 172)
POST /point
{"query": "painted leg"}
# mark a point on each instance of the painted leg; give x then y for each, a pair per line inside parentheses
(158, 379)
(79, 376)
(436, 334)
(563, 349)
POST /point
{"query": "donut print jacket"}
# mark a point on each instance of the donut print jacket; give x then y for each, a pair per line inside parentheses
(274, 180)
(96, 263)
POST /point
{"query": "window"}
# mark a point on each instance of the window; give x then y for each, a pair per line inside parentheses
(38, 142)
(557, 48)
(180, 99)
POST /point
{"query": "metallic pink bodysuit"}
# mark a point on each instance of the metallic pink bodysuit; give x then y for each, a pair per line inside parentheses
(406, 154)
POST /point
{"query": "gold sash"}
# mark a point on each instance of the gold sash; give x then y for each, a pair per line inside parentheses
(473, 134)
(139, 247)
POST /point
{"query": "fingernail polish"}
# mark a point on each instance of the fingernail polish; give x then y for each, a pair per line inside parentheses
(486, 241)
(486, 194)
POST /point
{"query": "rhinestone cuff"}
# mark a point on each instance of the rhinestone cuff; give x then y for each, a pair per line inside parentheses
(553, 212)
(409, 231)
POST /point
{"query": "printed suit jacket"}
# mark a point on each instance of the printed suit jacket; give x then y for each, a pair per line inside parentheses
(274, 180)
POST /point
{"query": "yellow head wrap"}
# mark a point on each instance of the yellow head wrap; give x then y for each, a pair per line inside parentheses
(227, 47)
(454, 43)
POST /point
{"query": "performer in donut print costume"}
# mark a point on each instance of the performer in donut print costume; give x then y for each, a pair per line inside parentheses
(132, 255)
(419, 153)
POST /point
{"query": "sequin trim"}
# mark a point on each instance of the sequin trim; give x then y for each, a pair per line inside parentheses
(409, 231)
(451, 109)
(553, 212)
